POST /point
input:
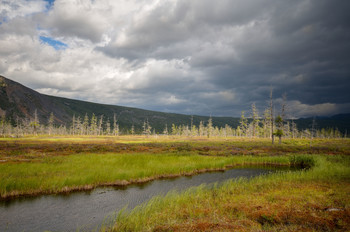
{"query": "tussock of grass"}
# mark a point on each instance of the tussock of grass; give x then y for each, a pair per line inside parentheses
(287, 201)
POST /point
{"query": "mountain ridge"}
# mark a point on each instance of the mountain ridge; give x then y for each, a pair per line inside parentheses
(19, 102)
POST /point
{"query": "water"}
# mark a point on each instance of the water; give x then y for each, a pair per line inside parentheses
(86, 211)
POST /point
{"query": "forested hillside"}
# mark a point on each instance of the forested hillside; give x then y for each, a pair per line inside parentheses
(20, 105)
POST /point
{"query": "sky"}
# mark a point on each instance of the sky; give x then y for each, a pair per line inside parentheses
(198, 57)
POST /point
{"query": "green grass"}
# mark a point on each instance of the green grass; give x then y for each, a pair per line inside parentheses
(287, 201)
(55, 174)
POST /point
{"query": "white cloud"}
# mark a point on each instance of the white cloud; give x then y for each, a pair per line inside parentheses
(171, 100)
(297, 109)
(10, 9)
(183, 56)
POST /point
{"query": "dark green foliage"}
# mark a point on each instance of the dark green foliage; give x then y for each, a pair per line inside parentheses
(340, 121)
(278, 133)
(302, 161)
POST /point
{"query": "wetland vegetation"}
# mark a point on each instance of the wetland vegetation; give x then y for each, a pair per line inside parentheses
(313, 199)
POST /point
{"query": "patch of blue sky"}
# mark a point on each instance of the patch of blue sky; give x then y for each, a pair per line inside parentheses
(58, 45)
(3, 20)
(49, 3)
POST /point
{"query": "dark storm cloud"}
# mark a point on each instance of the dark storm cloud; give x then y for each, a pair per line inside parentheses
(301, 52)
(195, 57)
(174, 24)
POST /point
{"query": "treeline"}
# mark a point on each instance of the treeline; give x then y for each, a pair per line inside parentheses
(253, 126)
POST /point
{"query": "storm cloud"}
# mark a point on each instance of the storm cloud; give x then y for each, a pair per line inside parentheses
(193, 57)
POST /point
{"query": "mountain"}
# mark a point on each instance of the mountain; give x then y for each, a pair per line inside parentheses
(18, 101)
(339, 121)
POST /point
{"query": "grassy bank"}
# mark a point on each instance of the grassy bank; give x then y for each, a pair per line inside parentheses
(86, 171)
(41, 165)
(313, 200)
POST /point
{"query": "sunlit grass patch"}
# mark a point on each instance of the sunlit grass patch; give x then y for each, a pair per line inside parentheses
(278, 202)
(61, 173)
(80, 161)
(314, 200)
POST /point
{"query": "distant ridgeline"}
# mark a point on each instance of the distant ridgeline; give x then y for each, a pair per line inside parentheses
(245, 127)
(24, 111)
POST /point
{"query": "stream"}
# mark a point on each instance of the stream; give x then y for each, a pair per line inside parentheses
(87, 211)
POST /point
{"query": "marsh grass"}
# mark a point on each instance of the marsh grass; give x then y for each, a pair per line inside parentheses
(285, 201)
(44, 164)
(34, 149)
(86, 171)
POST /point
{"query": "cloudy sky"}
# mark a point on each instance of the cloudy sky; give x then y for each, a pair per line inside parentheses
(195, 57)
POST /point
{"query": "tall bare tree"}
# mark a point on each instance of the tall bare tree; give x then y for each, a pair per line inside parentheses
(73, 125)
(86, 125)
(132, 131)
(255, 120)
(147, 129)
(210, 127)
(100, 126)
(35, 123)
(93, 124)
(108, 127)
(165, 131)
(280, 120)
(115, 125)
(50, 123)
(313, 130)
(266, 124)
(243, 124)
(272, 117)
